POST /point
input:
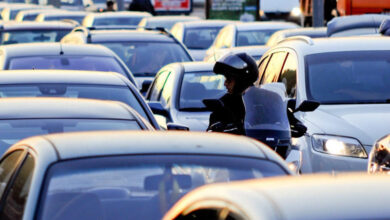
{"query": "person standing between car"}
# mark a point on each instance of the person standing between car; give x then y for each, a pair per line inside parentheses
(110, 5)
(228, 112)
(142, 5)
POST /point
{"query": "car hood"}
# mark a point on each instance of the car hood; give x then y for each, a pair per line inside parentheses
(198, 55)
(367, 123)
(196, 121)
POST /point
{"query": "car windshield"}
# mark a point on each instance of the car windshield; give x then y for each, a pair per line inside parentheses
(349, 77)
(200, 38)
(197, 86)
(104, 21)
(254, 38)
(78, 18)
(12, 131)
(138, 187)
(63, 62)
(32, 36)
(105, 92)
(167, 24)
(146, 58)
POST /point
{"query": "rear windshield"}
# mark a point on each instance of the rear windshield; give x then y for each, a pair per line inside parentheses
(253, 38)
(63, 62)
(200, 38)
(12, 131)
(197, 86)
(32, 36)
(146, 58)
(138, 187)
(116, 21)
(105, 92)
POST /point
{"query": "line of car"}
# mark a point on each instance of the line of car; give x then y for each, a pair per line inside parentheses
(140, 175)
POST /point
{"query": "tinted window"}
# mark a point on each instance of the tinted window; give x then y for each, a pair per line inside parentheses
(13, 37)
(257, 37)
(17, 196)
(262, 67)
(116, 21)
(12, 131)
(197, 86)
(137, 187)
(289, 75)
(67, 63)
(7, 168)
(30, 17)
(349, 77)
(200, 38)
(274, 67)
(147, 58)
(117, 93)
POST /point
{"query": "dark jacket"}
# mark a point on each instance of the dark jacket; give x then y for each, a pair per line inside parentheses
(230, 116)
(142, 5)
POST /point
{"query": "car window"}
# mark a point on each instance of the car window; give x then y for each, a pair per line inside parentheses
(89, 91)
(78, 18)
(253, 38)
(158, 85)
(200, 38)
(103, 21)
(31, 36)
(158, 55)
(17, 196)
(144, 186)
(289, 75)
(63, 62)
(262, 67)
(274, 67)
(7, 168)
(167, 90)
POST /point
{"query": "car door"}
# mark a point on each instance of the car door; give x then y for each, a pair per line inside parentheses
(14, 198)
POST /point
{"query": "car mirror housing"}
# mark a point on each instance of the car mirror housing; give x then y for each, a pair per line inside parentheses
(307, 106)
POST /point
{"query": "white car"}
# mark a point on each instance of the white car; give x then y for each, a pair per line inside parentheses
(122, 174)
(350, 78)
(352, 196)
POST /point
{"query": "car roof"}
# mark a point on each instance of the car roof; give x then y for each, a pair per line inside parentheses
(32, 25)
(303, 197)
(306, 45)
(207, 23)
(197, 66)
(119, 14)
(44, 107)
(129, 35)
(94, 144)
(61, 76)
(266, 25)
(53, 49)
(343, 23)
(306, 31)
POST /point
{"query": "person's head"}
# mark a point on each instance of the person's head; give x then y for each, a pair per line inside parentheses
(240, 71)
(110, 4)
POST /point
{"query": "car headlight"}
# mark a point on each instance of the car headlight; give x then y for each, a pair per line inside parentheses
(341, 146)
(296, 12)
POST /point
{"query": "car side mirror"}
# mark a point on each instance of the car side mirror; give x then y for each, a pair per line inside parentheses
(145, 86)
(177, 127)
(307, 106)
(276, 87)
(158, 109)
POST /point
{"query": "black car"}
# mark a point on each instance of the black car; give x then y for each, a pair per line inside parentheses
(143, 51)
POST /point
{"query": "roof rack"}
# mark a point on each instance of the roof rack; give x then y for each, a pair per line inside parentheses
(302, 38)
